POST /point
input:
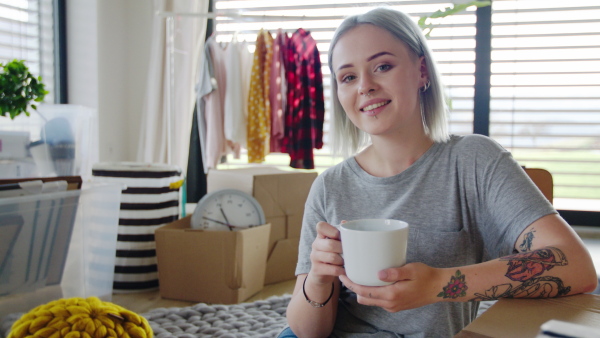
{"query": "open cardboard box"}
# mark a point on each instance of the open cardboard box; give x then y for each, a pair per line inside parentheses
(524, 317)
(282, 195)
(218, 267)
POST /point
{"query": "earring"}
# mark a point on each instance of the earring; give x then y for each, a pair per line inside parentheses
(426, 86)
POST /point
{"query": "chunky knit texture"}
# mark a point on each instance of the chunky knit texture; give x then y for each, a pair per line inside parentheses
(262, 319)
(79, 317)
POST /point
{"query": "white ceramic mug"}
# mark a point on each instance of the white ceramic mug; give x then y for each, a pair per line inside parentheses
(372, 245)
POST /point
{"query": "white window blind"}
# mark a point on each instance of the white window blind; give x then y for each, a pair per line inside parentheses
(27, 33)
(452, 42)
(545, 92)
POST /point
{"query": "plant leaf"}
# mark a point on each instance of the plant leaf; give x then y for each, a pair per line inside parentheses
(454, 9)
(19, 88)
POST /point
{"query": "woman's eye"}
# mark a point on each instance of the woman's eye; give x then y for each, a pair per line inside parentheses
(384, 68)
(348, 78)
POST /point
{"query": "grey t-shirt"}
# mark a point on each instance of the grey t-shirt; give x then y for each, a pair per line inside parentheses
(466, 201)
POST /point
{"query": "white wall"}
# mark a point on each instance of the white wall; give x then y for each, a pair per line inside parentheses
(108, 44)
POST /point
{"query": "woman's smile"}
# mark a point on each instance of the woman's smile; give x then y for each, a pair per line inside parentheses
(373, 108)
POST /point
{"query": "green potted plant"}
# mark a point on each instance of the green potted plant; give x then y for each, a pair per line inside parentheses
(427, 26)
(19, 89)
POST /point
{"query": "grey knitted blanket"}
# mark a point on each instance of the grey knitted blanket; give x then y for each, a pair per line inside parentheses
(263, 318)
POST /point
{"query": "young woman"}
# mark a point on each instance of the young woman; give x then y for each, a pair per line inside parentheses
(479, 228)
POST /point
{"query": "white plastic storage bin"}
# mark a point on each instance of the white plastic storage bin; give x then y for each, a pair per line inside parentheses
(57, 140)
(58, 245)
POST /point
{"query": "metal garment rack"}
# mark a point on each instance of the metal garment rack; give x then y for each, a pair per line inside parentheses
(170, 30)
(241, 15)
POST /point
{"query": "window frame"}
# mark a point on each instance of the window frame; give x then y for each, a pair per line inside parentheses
(60, 51)
(58, 83)
(481, 118)
(482, 99)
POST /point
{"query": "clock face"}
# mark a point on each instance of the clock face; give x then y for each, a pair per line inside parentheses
(227, 210)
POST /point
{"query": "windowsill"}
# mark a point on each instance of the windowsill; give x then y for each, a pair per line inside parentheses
(577, 204)
(591, 239)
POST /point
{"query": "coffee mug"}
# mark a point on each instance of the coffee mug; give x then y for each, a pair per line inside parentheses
(372, 245)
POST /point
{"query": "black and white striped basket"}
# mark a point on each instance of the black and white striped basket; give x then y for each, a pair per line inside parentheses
(150, 199)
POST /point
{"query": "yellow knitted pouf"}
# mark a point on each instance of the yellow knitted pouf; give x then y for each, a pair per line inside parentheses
(79, 317)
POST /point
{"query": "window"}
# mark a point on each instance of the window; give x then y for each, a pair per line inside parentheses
(545, 77)
(27, 33)
(545, 92)
(452, 41)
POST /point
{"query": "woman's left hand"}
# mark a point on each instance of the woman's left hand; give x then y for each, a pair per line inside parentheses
(414, 285)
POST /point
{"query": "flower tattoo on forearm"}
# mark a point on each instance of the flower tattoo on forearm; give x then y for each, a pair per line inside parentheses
(526, 268)
(456, 288)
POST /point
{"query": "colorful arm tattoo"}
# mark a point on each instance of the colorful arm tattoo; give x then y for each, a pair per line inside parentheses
(526, 268)
(456, 288)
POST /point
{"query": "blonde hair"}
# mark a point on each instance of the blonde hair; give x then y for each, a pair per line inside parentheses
(347, 138)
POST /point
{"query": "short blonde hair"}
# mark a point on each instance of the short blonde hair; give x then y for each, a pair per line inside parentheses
(347, 138)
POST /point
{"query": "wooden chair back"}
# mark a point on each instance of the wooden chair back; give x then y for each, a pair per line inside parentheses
(543, 180)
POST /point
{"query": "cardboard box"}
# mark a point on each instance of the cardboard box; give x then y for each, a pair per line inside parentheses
(524, 317)
(282, 195)
(218, 267)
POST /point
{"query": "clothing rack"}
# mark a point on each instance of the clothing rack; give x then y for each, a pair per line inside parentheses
(170, 30)
(238, 15)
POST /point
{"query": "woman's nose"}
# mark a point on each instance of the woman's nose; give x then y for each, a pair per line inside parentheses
(367, 85)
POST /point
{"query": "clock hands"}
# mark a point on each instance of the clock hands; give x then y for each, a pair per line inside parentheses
(220, 222)
(231, 226)
(214, 220)
(223, 213)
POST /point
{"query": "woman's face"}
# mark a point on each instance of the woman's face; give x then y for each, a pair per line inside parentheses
(378, 79)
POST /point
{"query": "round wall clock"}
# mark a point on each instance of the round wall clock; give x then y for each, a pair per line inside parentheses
(227, 210)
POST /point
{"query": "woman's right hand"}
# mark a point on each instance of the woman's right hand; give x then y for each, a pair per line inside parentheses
(321, 286)
(327, 263)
